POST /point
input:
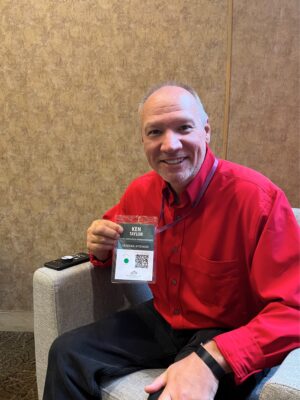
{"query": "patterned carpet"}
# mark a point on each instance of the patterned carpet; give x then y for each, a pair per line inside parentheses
(17, 366)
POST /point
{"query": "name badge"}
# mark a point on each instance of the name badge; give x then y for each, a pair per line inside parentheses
(134, 253)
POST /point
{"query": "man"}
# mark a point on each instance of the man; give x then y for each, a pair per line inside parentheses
(226, 294)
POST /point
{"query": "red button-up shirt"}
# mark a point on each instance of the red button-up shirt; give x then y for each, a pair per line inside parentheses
(232, 263)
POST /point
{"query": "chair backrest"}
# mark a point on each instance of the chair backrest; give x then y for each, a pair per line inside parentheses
(297, 214)
(136, 293)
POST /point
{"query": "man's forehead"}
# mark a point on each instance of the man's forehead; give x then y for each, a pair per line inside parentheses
(168, 99)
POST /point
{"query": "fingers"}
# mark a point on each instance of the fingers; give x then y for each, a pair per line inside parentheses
(101, 237)
(106, 228)
(157, 384)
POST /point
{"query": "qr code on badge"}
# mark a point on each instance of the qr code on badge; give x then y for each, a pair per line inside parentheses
(141, 261)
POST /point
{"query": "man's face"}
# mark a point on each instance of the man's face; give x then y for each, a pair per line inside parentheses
(173, 135)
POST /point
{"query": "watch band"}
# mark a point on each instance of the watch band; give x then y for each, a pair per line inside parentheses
(215, 367)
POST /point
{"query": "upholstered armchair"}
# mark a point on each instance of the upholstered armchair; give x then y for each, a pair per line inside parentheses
(66, 299)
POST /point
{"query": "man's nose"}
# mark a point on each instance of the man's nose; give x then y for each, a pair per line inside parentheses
(170, 141)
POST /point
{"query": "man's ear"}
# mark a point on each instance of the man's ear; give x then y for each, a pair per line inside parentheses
(207, 132)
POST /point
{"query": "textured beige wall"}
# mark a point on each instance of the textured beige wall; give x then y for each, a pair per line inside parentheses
(72, 73)
(265, 94)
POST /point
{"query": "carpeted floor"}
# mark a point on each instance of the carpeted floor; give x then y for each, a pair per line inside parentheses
(17, 366)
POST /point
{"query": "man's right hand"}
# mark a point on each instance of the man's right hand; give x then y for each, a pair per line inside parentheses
(101, 237)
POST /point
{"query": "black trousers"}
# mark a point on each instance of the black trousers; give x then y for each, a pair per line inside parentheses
(128, 341)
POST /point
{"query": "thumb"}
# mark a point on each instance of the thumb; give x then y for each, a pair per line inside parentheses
(157, 384)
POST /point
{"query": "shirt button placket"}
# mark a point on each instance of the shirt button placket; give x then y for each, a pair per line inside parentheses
(174, 277)
(174, 281)
(174, 249)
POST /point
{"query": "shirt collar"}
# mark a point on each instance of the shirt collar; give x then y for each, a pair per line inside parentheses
(188, 196)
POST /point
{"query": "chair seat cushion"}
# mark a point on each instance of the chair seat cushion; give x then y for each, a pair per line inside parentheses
(129, 387)
(285, 382)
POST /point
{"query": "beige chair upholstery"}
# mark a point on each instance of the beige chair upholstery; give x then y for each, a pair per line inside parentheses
(66, 299)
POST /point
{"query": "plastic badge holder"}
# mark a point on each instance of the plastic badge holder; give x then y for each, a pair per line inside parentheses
(134, 253)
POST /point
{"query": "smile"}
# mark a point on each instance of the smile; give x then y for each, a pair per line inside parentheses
(174, 161)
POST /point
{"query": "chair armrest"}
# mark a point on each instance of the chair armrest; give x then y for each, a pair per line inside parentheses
(285, 382)
(63, 300)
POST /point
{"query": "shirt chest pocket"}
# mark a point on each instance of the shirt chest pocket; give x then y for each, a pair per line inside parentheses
(215, 282)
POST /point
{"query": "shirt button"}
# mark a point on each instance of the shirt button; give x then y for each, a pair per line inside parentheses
(174, 249)
(174, 282)
(176, 311)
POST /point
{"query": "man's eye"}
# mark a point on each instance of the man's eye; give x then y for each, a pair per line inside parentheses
(185, 128)
(153, 132)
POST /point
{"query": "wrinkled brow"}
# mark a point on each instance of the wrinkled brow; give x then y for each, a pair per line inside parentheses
(174, 121)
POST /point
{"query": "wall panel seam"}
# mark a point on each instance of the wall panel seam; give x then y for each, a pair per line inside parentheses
(227, 78)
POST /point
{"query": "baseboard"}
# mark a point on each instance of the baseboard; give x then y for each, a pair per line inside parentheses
(16, 321)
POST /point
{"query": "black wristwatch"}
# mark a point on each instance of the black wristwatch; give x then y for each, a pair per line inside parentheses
(215, 367)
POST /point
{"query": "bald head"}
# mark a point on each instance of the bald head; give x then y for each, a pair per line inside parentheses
(175, 89)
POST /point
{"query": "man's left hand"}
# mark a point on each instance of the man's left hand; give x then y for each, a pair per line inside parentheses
(189, 378)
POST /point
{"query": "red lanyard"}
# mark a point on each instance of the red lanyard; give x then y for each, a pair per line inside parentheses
(194, 205)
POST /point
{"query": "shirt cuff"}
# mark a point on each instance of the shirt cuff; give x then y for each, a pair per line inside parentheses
(98, 263)
(241, 352)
